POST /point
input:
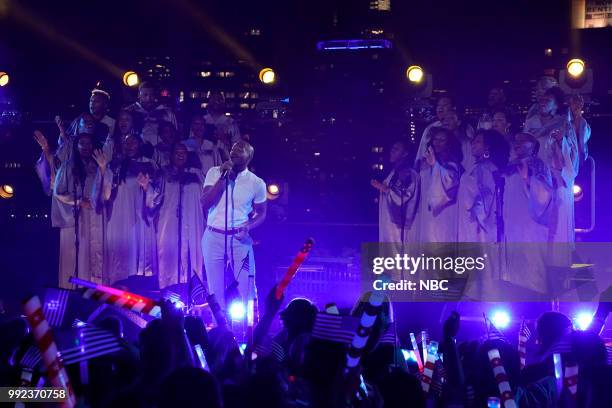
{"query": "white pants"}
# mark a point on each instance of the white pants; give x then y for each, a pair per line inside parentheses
(213, 245)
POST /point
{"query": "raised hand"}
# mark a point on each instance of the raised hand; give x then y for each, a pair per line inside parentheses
(41, 140)
(144, 180)
(430, 156)
(100, 158)
(60, 125)
(379, 186)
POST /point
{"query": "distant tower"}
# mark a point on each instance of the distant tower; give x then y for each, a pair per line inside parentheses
(578, 13)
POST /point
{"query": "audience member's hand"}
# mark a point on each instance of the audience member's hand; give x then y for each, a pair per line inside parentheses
(172, 314)
(451, 325)
(100, 158)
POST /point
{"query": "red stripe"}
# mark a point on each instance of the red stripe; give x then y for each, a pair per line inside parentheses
(45, 341)
(36, 318)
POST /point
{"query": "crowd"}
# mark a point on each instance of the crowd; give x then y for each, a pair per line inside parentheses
(511, 181)
(178, 362)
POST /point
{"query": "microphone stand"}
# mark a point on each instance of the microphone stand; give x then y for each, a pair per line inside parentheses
(76, 212)
(499, 215)
(225, 233)
(179, 214)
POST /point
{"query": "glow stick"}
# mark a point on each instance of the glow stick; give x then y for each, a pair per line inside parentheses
(499, 372)
(417, 354)
(48, 349)
(293, 268)
(119, 298)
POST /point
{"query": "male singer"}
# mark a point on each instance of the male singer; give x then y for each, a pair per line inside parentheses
(245, 195)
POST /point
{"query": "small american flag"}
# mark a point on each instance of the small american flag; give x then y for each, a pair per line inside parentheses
(335, 328)
(54, 306)
(493, 332)
(198, 290)
(523, 337)
(389, 336)
(269, 347)
(609, 351)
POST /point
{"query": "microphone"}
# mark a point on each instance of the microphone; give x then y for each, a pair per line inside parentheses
(227, 172)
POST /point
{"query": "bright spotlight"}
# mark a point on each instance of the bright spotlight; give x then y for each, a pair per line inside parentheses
(273, 189)
(237, 310)
(501, 319)
(267, 76)
(415, 74)
(4, 79)
(575, 67)
(7, 191)
(130, 78)
(583, 320)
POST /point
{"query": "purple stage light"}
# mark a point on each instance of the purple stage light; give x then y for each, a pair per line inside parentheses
(501, 319)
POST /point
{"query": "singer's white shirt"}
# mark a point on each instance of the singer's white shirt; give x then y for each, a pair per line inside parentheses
(247, 189)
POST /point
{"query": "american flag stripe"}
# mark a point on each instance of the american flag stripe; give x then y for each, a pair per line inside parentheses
(493, 332)
(609, 351)
(54, 306)
(334, 328)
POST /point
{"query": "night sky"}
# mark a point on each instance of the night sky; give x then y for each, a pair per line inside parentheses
(453, 38)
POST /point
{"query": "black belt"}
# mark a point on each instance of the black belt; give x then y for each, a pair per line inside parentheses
(231, 231)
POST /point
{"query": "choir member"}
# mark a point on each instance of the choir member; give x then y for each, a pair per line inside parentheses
(581, 126)
(527, 204)
(123, 188)
(398, 199)
(206, 150)
(72, 190)
(477, 189)
(440, 172)
(179, 219)
(226, 130)
(168, 137)
(149, 112)
(559, 151)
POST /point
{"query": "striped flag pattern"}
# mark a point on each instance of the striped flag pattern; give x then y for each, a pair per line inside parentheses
(90, 342)
(523, 337)
(361, 336)
(82, 343)
(499, 372)
(198, 290)
(493, 332)
(54, 306)
(430, 365)
(128, 301)
(609, 351)
(270, 347)
(334, 328)
(389, 336)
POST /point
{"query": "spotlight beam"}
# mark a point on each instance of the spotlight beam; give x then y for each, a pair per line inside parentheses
(42, 28)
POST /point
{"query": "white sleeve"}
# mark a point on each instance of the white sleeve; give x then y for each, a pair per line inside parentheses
(260, 192)
(212, 176)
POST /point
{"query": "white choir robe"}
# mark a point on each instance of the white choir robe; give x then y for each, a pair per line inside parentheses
(167, 224)
(477, 205)
(91, 226)
(397, 207)
(131, 247)
(477, 224)
(563, 161)
(207, 151)
(527, 209)
(437, 213)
